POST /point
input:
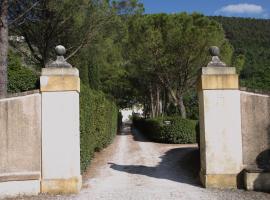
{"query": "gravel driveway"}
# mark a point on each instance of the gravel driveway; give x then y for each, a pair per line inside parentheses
(134, 168)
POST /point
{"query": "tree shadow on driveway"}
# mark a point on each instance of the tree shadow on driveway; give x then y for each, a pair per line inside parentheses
(179, 165)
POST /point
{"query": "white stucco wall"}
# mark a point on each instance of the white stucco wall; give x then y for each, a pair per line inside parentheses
(221, 139)
(60, 135)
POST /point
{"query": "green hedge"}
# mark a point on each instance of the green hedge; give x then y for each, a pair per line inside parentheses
(179, 131)
(20, 78)
(98, 123)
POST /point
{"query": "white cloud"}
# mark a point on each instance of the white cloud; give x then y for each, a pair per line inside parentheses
(265, 15)
(243, 8)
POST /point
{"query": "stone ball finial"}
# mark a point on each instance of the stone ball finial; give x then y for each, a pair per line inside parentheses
(60, 50)
(215, 62)
(214, 51)
(60, 61)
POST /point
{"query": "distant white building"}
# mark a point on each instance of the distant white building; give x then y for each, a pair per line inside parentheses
(127, 112)
(15, 38)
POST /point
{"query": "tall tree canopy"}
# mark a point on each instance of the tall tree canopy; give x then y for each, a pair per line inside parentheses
(168, 52)
(251, 41)
(133, 57)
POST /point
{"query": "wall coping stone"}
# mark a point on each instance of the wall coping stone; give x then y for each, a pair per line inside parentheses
(20, 94)
(255, 91)
(256, 170)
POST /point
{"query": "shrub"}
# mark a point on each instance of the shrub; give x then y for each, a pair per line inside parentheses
(20, 78)
(98, 123)
(179, 131)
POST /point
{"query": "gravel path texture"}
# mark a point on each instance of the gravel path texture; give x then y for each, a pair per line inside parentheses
(133, 168)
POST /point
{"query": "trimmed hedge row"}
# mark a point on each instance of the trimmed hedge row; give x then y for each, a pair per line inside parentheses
(98, 123)
(20, 78)
(179, 131)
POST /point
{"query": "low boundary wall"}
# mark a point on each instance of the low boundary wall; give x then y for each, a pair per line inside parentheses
(20, 143)
(255, 119)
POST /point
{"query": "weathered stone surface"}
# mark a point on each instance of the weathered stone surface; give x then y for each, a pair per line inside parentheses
(59, 83)
(59, 79)
(62, 186)
(255, 114)
(20, 143)
(218, 82)
(226, 181)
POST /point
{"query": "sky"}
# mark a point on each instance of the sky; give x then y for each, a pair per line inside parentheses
(237, 8)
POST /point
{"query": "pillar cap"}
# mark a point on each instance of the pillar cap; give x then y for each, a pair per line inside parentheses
(213, 70)
(56, 71)
(59, 75)
(218, 82)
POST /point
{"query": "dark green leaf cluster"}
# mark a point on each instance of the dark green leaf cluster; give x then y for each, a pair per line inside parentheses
(98, 123)
(20, 77)
(166, 53)
(251, 41)
(178, 131)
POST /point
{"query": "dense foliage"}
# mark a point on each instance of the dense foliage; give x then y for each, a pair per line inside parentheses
(20, 77)
(166, 53)
(98, 123)
(153, 60)
(177, 131)
(251, 41)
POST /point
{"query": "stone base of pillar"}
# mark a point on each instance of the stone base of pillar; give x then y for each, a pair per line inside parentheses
(61, 186)
(222, 181)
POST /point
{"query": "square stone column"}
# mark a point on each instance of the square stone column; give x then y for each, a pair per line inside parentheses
(220, 127)
(60, 89)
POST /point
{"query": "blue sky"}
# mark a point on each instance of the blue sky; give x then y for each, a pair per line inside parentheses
(245, 8)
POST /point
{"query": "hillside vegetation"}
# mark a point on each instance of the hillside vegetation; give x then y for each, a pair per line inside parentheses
(251, 41)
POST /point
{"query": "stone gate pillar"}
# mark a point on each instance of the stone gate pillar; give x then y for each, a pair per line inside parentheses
(220, 124)
(60, 87)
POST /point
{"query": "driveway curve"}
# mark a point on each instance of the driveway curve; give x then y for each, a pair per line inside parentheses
(132, 168)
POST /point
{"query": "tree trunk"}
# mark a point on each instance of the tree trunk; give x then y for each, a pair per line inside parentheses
(152, 111)
(3, 47)
(179, 102)
(158, 111)
(182, 107)
(161, 107)
(144, 108)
